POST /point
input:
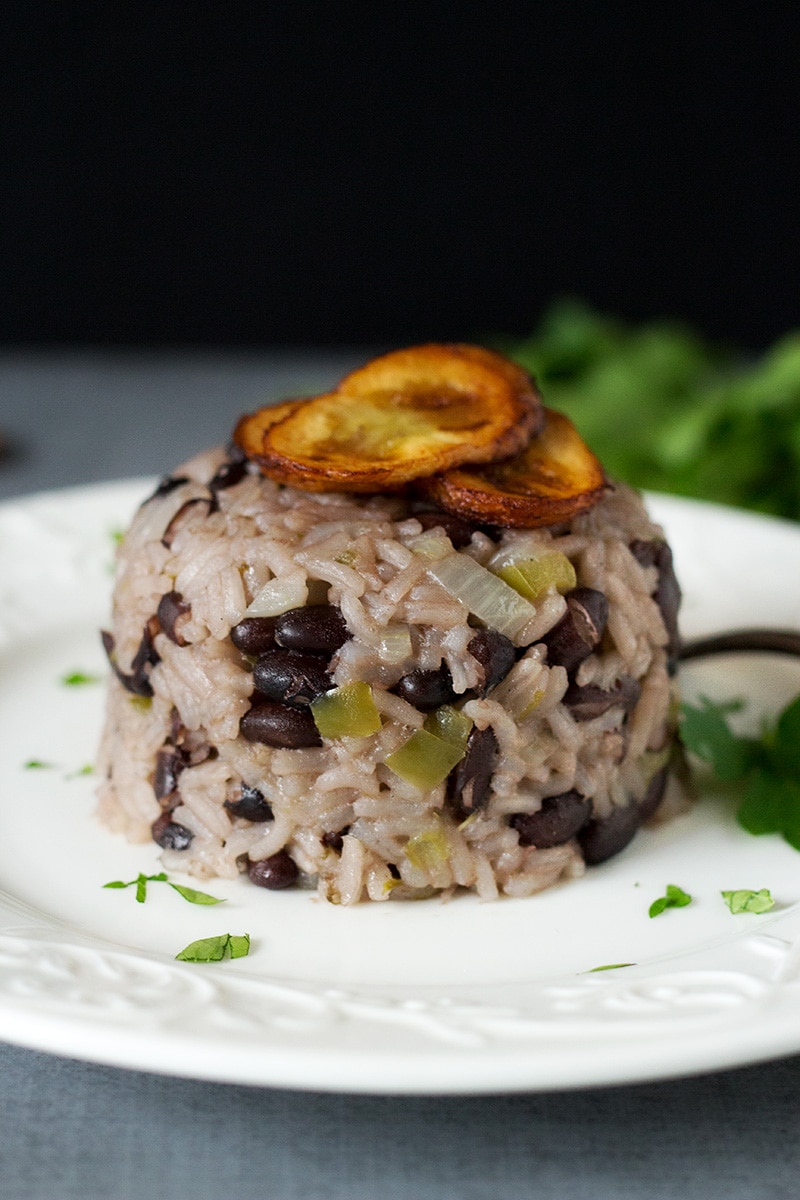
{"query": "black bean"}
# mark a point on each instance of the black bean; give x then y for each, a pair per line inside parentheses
(317, 629)
(166, 486)
(137, 681)
(192, 745)
(251, 805)
(284, 726)
(495, 653)
(228, 475)
(335, 841)
(604, 838)
(469, 782)
(177, 729)
(579, 631)
(457, 529)
(292, 677)
(168, 536)
(667, 594)
(427, 689)
(145, 658)
(276, 872)
(654, 795)
(171, 606)
(254, 635)
(169, 835)
(586, 703)
(169, 764)
(109, 647)
(556, 822)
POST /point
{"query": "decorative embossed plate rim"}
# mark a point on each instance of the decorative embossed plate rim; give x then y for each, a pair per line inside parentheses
(419, 998)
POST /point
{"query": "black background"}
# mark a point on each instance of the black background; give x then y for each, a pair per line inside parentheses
(247, 175)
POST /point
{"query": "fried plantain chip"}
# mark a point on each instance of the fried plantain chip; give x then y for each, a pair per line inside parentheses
(555, 477)
(250, 429)
(403, 416)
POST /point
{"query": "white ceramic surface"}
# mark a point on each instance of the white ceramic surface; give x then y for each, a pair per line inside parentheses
(427, 997)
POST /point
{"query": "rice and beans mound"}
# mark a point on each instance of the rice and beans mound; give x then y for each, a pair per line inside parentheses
(401, 639)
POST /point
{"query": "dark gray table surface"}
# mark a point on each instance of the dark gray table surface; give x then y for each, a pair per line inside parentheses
(70, 1129)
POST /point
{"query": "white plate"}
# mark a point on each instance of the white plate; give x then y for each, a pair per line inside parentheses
(417, 998)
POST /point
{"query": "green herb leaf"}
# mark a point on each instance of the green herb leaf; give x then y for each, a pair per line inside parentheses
(705, 731)
(79, 679)
(675, 898)
(769, 766)
(239, 945)
(748, 901)
(86, 769)
(609, 967)
(767, 805)
(214, 949)
(36, 764)
(710, 422)
(195, 897)
(784, 752)
(141, 882)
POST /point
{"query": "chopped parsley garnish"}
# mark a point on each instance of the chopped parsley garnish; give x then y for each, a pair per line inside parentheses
(675, 898)
(214, 949)
(86, 769)
(141, 882)
(79, 679)
(36, 764)
(768, 767)
(748, 901)
(195, 897)
(706, 732)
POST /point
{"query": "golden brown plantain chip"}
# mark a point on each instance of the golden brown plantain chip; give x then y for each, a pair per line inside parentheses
(403, 416)
(554, 478)
(250, 429)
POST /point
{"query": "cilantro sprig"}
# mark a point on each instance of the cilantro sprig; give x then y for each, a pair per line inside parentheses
(710, 422)
(40, 764)
(214, 949)
(745, 900)
(79, 679)
(675, 897)
(141, 881)
(767, 767)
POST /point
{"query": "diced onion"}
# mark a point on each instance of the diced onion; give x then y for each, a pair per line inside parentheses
(394, 644)
(485, 595)
(431, 546)
(526, 545)
(278, 596)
